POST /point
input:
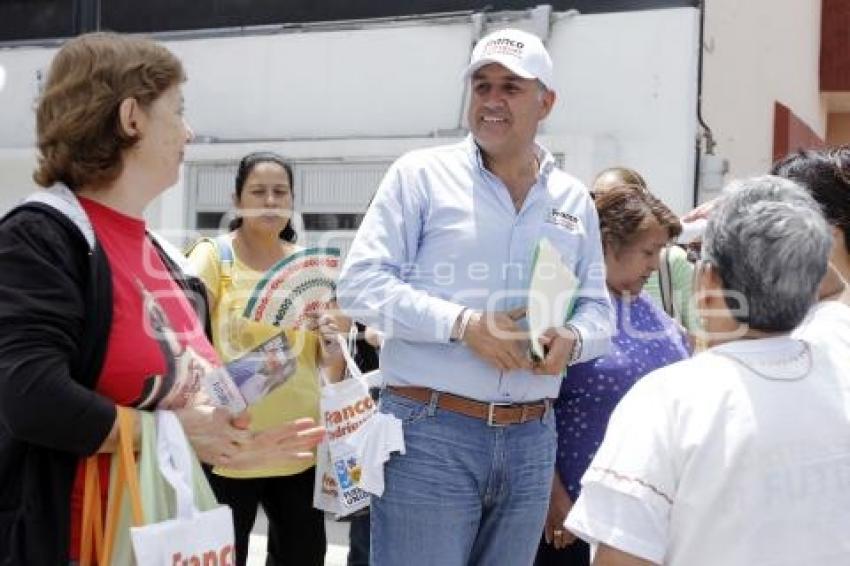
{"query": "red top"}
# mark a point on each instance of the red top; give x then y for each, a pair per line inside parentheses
(155, 341)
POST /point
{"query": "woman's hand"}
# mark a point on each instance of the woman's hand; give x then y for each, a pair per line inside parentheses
(289, 442)
(331, 324)
(559, 507)
(216, 436)
(329, 327)
(221, 439)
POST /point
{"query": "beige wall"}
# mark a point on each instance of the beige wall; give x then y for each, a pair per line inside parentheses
(758, 52)
(838, 129)
(16, 169)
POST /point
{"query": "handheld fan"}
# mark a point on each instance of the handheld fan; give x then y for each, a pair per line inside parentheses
(302, 283)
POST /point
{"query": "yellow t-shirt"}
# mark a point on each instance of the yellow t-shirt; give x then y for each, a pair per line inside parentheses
(234, 335)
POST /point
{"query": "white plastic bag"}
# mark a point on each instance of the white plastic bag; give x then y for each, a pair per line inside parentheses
(345, 406)
(193, 537)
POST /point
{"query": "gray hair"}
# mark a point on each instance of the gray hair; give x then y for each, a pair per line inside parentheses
(770, 245)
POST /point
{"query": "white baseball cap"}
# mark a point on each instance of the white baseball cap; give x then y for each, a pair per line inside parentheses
(518, 51)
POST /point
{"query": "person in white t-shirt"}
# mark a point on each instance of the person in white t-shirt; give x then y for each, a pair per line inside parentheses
(739, 456)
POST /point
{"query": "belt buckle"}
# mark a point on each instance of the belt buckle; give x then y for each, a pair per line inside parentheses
(491, 411)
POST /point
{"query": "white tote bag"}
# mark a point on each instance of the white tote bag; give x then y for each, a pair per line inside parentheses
(193, 537)
(345, 406)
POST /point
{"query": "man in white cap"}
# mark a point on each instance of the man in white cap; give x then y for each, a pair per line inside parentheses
(441, 264)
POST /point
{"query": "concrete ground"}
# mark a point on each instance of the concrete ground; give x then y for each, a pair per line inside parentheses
(337, 534)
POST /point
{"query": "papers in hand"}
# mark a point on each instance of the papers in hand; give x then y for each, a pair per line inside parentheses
(299, 284)
(550, 294)
(248, 378)
(263, 369)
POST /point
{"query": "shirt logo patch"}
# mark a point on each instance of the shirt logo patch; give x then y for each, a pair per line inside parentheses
(565, 220)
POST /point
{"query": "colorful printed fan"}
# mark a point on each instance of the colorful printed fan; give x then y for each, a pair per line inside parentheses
(301, 284)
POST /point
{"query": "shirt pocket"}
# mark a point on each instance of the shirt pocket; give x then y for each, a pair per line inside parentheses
(568, 242)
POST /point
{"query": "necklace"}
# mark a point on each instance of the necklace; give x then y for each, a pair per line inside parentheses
(806, 353)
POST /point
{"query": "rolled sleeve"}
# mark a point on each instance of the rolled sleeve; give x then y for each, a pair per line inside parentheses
(604, 516)
(628, 490)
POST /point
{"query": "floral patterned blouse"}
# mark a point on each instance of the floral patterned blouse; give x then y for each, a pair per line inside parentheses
(646, 339)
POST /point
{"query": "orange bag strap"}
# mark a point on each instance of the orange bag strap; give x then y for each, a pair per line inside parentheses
(128, 477)
(92, 521)
(128, 459)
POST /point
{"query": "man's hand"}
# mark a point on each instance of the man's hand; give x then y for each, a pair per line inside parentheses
(495, 338)
(558, 343)
(559, 507)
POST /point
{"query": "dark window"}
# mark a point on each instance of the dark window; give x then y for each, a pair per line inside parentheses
(40, 19)
(317, 222)
(37, 19)
(208, 220)
(132, 15)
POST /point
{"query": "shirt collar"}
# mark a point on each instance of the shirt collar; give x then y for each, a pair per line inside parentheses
(544, 157)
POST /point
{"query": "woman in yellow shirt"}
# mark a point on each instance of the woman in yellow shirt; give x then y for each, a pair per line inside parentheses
(261, 236)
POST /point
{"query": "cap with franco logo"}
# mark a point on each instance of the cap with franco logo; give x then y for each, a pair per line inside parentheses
(520, 52)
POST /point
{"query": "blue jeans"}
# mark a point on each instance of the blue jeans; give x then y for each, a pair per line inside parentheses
(464, 492)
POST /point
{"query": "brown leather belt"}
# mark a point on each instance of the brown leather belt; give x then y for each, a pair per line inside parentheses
(494, 414)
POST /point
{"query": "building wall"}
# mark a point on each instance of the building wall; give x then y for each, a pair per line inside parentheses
(757, 53)
(838, 129)
(835, 53)
(628, 97)
(626, 86)
(16, 169)
(791, 134)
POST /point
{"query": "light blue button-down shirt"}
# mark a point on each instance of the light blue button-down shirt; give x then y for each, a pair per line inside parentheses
(442, 234)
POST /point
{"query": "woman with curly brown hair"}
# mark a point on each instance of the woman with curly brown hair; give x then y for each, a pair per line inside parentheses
(671, 285)
(635, 225)
(95, 312)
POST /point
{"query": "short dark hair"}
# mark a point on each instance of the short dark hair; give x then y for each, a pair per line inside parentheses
(623, 210)
(246, 166)
(77, 122)
(825, 174)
